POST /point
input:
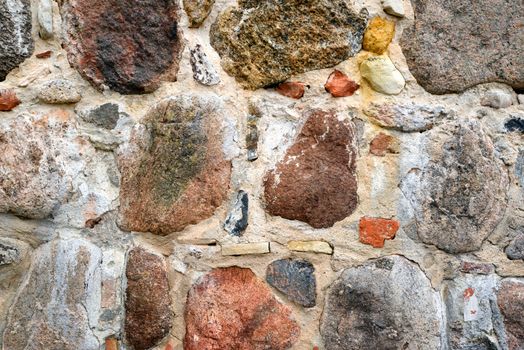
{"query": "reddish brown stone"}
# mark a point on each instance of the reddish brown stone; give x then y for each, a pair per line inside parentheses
(230, 308)
(511, 303)
(131, 46)
(382, 144)
(148, 305)
(476, 268)
(339, 85)
(45, 54)
(174, 170)
(293, 89)
(111, 344)
(374, 231)
(8, 100)
(315, 182)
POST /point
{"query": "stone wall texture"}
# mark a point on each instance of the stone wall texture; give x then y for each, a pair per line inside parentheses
(261, 175)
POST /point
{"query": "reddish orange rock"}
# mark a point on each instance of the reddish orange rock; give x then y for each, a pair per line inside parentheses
(339, 85)
(8, 100)
(111, 344)
(230, 308)
(382, 144)
(374, 231)
(293, 89)
(45, 54)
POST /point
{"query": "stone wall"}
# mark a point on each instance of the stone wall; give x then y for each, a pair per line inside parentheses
(272, 174)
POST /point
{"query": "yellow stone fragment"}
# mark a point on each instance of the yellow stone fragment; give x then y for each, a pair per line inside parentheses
(378, 35)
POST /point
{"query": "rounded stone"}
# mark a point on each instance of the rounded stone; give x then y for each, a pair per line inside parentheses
(382, 75)
(378, 35)
(510, 299)
(59, 91)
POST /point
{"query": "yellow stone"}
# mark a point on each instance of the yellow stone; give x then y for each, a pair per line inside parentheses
(378, 35)
(310, 246)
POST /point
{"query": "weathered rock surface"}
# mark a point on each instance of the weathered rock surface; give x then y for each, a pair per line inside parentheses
(230, 308)
(59, 303)
(294, 278)
(236, 221)
(174, 169)
(264, 43)
(385, 304)
(471, 43)
(374, 231)
(9, 252)
(148, 314)
(315, 182)
(16, 42)
(197, 11)
(382, 144)
(497, 98)
(378, 35)
(511, 303)
(459, 196)
(8, 100)
(203, 70)
(514, 124)
(515, 250)
(105, 116)
(382, 75)
(59, 91)
(128, 46)
(252, 138)
(339, 84)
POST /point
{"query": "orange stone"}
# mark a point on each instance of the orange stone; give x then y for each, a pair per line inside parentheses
(382, 144)
(339, 85)
(374, 231)
(111, 344)
(293, 89)
(8, 100)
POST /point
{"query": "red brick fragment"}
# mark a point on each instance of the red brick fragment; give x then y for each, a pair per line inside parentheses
(45, 54)
(293, 89)
(340, 85)
(476, 268)
(8, 100)
(374, 231)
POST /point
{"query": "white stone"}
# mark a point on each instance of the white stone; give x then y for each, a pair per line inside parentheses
(521, 99)
(245, 248)
(394, 7)
(497, 98)
(310, 246)
(59, 91)
(382, 75)
(45, 18)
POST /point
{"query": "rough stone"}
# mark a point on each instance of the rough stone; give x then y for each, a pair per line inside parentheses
(8, 100)
(511, 303)
(406, 117)
(382, 144)
(148, 314)
(130, 46)
(111, 344)
(514, 124)
(9, 252)
(197, 11)
(515, 250)
(293, 89)
(245, 248)
(386, 304)
(294, 278)
(394, 7)
(497, 98)
(519, 167)
(16, 42)
(339, 85)
(476, 267)
(459, 195)
(61, 314)
(59, 91)
(374, 231)
(236, 221)
(264, 43)
(472, 42)
(382, 75)
(174, 169)
(306, 184)
(203, 70)
(378, 35)
(252, 138)
(310, 246)
(105, 116)
(230, 308)
(45, 19)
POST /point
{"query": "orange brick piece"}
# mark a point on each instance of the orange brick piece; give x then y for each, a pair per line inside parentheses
(374, 231)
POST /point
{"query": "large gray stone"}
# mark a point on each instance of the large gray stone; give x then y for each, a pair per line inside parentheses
(455, 44)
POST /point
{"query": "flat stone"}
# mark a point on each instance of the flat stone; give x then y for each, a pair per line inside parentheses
(8, 100)
(246, 248)
(203, 70)
(105, 116)
(61, 314)
(236, 221)
(148, 303)
(266, 42)
(394, 7)
(374, 231)
(477, 268)
(340, 85)
(404, 116)
(386, 303)
(197, 11)
(306, 184)
(16, 42)
(294, 278)
(519, 167)
(515, 250)
(511, 303)
(129, 46)
(497, 99)
(59, 91)
(174, 169)
(514, 124)
(459, 195)
(378, 35)
(293, 89)
(463, 47)
(230, 308)
(45, 19)
(382, 75)
(383, 144)
(310, 247)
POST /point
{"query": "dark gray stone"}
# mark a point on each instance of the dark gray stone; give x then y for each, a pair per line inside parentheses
(515, 124)
(105, 116)
(515, 250)
(236, 221)
(294, 278)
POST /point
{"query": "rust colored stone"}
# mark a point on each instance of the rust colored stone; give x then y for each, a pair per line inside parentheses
(477, 268)
(339, 85)
(148, 304)
(382, 144)
(111, 344)
(510, 299)
(91, 223)
(316, 182)
(230, 308)
(293, 89)
(8, 100)
(44, 54)
(378, 35)
(374, 231)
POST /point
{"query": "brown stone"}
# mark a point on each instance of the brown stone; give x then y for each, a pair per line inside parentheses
(230, 308)
(8, 100)
(131, 46)
(111, 344)
(315, 182)
(174, 170)
(148, 304)
(510, 299)
(374, 231)
(339, 85)
(293, 89)
(44, 54)
(378, 35)
(382, 144)
(197, 11)
(476, 268)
